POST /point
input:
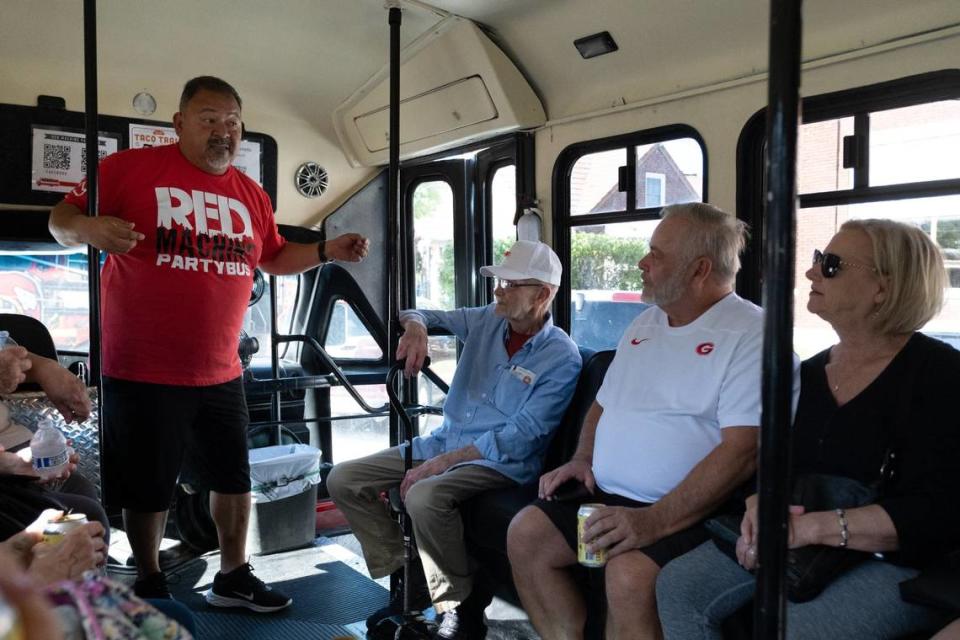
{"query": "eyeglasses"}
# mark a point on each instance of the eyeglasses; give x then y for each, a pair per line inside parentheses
(510, 284)
(830, 263)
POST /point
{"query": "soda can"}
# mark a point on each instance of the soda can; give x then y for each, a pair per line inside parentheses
(597, 558)
(58, 527)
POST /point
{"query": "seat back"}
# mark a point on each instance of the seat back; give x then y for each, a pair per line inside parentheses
(30, 333)
(567, 435)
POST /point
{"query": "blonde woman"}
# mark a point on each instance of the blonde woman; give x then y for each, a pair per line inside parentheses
(883, 387)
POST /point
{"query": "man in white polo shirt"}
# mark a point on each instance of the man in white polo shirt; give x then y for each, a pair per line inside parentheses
(672, 433)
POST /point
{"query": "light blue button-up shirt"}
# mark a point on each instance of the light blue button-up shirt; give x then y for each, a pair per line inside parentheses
(508, 408)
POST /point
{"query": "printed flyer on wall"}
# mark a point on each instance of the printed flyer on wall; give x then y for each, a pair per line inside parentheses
(59, 162)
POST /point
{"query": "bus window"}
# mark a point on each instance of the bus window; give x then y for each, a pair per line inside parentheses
(940, 217)
(347, 337)
(915, 143)
(256, 322)
(608, 210)
(51, 287)
(669, 172)
(435, 281)
(503, 207)
(605, 281)
(908, 146)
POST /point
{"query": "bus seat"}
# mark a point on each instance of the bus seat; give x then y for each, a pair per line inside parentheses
(487, 516)
(30, 333)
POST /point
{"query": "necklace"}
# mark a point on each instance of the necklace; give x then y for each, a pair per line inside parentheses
(870, 365)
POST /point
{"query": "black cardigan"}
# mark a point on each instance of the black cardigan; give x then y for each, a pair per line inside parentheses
(910, 408)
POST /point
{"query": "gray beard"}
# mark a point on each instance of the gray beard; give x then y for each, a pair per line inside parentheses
(666, 292)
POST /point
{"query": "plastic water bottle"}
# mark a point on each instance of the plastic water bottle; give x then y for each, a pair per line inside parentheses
(6, 340)
(49, 449)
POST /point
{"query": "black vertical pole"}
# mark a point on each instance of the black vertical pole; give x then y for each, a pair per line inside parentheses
(393, 194)
(393, 269)
(786, 27)
(275, 411)
(91, 151)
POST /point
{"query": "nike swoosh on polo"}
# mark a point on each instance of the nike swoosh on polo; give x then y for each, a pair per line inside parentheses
(637, 341)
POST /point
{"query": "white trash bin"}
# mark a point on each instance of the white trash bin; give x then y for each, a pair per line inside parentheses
(284, 481)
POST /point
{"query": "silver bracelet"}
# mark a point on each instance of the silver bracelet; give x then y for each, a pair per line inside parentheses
(844, 531)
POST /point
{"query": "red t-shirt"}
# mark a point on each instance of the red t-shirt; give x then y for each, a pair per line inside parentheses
(516, 341)
(172, 308)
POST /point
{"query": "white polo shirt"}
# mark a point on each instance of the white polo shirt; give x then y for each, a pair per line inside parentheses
(670, 390)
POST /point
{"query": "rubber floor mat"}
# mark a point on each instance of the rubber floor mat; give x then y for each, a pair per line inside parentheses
(327, 594)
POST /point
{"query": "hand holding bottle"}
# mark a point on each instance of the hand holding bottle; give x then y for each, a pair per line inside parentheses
(14, 363)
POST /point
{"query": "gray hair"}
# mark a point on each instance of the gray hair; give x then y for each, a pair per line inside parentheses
(714, 234)
(913, 266)
(208, 83)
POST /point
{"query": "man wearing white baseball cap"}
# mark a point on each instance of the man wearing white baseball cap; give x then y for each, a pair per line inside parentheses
(515, 377)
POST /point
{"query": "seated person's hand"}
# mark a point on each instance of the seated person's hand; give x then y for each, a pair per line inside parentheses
(65, 390)
(14, 364)
(20, 545)
(25, 457)
(621, 529)
(576, 469)
(413, 347)
(80, 550)
(37, 619)
(17, 464)
(434, 466)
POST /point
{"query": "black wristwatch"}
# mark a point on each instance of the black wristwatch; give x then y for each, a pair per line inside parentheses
(321, 246)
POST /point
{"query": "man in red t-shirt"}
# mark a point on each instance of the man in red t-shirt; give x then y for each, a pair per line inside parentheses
(184, 231)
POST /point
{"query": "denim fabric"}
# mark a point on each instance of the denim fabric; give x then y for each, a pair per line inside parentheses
(698, 591)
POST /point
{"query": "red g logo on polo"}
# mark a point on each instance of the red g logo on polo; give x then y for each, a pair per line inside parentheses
(704, 348)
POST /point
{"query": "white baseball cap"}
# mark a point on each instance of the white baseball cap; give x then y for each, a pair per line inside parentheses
(527, 261)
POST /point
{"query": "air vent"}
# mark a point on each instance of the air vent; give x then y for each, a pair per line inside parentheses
(311, 180)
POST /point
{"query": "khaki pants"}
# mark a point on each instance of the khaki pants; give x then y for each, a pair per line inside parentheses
(433, 505)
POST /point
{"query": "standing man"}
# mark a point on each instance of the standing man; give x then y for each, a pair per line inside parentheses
(672, 433)
(184, 230)
(513, 382)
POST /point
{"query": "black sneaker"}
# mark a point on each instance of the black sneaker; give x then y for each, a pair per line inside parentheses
(419, 595)
(240, 588)
(153, 587)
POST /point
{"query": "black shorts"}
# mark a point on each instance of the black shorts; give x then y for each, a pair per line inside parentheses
(151, 429)
(563, 515)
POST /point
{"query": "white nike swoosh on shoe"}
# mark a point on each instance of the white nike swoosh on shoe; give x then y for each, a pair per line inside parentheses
(244, 595)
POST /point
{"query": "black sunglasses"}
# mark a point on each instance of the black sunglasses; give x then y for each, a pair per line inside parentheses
(830, 263)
